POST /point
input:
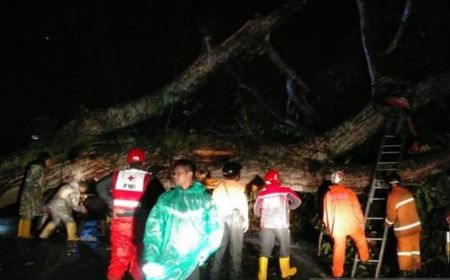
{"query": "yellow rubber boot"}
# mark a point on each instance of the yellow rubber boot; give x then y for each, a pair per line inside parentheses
(71, 228)
(45, 233)
(286, 269)
(26, 229)
(262, 273)
(20, 228)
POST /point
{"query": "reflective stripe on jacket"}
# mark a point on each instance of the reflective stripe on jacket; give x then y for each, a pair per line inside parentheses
(128, 187)
(401, 211)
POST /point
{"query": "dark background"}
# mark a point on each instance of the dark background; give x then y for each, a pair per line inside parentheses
(63, 59)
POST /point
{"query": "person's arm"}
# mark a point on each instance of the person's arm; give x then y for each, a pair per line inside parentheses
(391, 212)
(243, 208)
(103, 189)
(213, 229)
(294, 200)
(356, 207)
(327, 213)
(73, 199)
(257, 206)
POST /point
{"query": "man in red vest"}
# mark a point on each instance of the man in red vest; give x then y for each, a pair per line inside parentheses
(123, 191)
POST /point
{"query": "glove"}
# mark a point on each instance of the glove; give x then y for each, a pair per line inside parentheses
(153, 270)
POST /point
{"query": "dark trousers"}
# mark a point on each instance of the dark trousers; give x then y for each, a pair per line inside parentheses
(269, 236)
(233, 238)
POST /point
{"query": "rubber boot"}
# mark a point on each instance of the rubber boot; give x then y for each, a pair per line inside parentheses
(48, 229)
(71, 228)
(20, 228)
(26, 229)
(262, 273)
(286, 269)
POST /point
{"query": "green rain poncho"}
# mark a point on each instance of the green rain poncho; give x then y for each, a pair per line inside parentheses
(182, 231)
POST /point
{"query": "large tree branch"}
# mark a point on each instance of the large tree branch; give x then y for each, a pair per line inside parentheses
(401, 28)
(242, 44)
(331, 144)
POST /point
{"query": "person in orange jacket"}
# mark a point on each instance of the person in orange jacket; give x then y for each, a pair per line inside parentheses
(401, 212)
(342, 216)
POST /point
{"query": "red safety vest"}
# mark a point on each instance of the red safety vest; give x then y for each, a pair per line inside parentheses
(128, 187)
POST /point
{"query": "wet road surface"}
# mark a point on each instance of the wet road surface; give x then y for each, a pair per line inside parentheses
(57, 259)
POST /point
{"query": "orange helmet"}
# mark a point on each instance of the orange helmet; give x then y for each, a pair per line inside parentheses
(136, 155)
(337, 176)
(272, 177)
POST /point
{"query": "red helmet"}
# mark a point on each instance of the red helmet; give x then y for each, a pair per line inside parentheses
(337, 176)
(136, 155)
(272, 177)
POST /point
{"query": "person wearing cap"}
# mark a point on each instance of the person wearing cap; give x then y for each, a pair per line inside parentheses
(232, 207)
(401, 212)
(342, 217)
(273, 204)
(124, 192)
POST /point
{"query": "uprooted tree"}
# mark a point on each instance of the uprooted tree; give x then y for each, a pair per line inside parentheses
(94, 145)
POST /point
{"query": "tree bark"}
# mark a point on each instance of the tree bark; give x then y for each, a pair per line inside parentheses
(94, 162)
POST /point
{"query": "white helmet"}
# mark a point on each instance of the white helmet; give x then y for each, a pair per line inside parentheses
(337, 176)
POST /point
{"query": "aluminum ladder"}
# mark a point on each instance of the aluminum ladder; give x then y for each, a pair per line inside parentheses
(389, 156)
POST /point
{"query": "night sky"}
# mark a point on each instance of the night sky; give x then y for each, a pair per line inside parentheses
(62, 59)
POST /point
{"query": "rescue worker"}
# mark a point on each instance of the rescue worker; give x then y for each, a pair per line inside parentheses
(182, 230)
(232, 206)
(402, 213)
(342, 217)
(67, 199)
(31, 198)
(273, 205)
(123, 191)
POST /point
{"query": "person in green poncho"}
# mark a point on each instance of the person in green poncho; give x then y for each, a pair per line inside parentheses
(182, 230)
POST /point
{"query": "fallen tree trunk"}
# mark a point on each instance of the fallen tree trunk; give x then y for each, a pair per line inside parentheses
(100, 159)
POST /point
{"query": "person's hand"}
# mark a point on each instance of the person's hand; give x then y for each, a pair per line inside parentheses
(153, 270)
(117, 211)
(201, 259)
(245, 226)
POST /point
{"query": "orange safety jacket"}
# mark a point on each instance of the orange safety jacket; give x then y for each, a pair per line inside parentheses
(342, 213)
(402, 213)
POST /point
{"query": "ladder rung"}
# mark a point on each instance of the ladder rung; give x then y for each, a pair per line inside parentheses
(387, 162)
(381, 188)
(387, 169)
(391, 146)
(374, 238)
(378, 198)
(390, 152)
(375, 218)
(373, 261)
